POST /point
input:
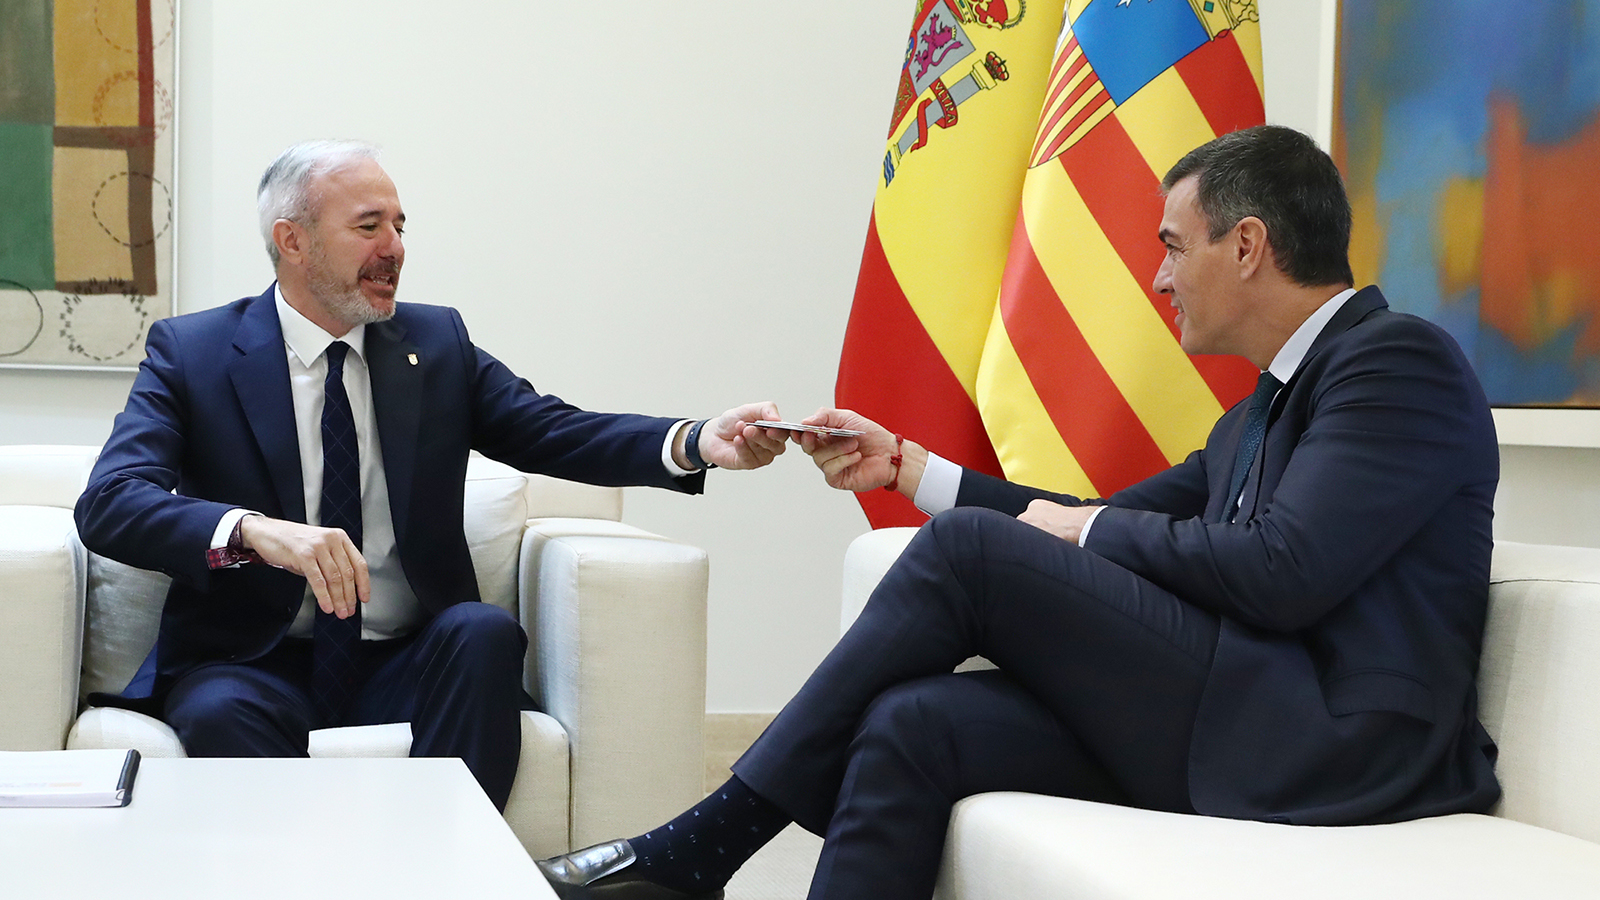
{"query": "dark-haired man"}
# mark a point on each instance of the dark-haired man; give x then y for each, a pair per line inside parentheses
(1283, 627)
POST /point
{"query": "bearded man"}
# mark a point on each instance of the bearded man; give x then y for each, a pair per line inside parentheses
(295, 461)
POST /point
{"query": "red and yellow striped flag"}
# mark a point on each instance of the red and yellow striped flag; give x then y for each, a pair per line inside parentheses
(1082, 385)
(1003, 315)
(963, 124)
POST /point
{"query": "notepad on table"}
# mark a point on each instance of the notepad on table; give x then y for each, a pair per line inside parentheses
(67, 777)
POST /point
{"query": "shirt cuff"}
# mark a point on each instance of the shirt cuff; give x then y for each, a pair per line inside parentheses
(673, 469)
(941, 482)
(219, 538)
(1083, 534)
(223, 556)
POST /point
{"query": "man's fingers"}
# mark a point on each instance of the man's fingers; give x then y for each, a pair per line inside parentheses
(768, 441)
(343, 573)
(832, 467)
(319, 587)
(363, 578)
(337, 581)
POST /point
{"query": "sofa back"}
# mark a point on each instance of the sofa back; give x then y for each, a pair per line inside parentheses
(51, 475)
(1539, 684)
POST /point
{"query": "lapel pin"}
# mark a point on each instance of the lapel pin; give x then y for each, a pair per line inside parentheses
(411, 358)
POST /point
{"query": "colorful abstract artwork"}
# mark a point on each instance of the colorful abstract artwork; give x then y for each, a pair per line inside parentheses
(1469, 134)
(86, 202)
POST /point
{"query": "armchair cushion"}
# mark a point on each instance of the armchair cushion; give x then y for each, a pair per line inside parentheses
(103, 727)
(1011, 845)
(120, 621)
(497, 508)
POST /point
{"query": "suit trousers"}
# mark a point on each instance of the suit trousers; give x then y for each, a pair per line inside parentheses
(457, 680)
(1100, 674)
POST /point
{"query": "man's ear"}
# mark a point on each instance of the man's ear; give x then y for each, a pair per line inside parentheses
(290, 240)
(1251, 249)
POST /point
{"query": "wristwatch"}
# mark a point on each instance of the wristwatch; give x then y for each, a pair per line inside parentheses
(691, 447)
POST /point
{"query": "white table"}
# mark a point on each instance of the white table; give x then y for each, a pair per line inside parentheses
(274, 828)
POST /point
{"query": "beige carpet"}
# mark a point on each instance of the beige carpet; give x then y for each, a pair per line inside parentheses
(781, 870)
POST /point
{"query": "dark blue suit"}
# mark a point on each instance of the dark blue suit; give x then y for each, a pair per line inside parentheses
(209, 426)
(1312, 660)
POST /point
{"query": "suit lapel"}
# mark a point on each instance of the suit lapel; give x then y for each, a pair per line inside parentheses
(393, 366)
(260, 377)
(1358, 307)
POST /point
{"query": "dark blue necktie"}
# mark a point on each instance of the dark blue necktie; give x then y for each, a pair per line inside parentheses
(336, 642)
(1255, 426)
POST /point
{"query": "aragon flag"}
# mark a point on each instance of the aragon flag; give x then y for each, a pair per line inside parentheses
(959, 139)
(1082, 385)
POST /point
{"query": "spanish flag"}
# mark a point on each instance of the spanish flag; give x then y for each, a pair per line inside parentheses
(1058, 366)
(971, 84)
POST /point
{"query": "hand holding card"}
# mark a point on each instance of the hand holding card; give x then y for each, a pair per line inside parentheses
(814, 429)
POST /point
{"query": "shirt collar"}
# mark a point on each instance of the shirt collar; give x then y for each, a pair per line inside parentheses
(306, 339)
(1294, 350)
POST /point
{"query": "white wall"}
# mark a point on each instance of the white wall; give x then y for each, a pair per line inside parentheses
(631, 206)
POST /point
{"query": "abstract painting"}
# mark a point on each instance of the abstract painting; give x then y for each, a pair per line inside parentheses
(86, 179)
(1469, 137)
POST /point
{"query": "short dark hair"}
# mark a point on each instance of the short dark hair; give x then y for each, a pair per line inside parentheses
(1283, 178)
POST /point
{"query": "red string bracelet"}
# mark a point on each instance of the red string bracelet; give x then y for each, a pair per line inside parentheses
(895, 460)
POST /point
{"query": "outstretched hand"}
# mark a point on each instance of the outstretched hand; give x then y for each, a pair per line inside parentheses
(850, 463)
(731, 442)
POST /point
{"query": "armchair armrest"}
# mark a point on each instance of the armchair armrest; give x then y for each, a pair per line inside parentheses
(41, 626)
(865, 563)
(617, 621)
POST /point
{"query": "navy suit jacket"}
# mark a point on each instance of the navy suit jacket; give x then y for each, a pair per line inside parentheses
(209, 426)
(1352, 587)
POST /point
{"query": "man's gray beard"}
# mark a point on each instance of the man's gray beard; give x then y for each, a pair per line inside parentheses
(345, 303)
(352, 308)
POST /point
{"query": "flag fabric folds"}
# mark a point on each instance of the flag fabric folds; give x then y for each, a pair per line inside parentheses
(1003, 316)
(963, 123)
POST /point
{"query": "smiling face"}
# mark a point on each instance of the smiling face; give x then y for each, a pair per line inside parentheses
(1200, 276)
(352, 249)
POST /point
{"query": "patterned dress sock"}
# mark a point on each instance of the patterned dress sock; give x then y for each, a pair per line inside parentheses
(698, 852)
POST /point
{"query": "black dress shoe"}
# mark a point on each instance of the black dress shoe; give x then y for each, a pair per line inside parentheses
(602, 872)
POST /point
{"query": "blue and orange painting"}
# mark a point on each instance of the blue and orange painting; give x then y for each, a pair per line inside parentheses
(1469, 134)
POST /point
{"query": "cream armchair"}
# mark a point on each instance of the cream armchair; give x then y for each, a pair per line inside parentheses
(616, 619)
(1539, 677)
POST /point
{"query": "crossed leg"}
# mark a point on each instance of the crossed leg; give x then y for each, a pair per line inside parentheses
(1101, 676)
